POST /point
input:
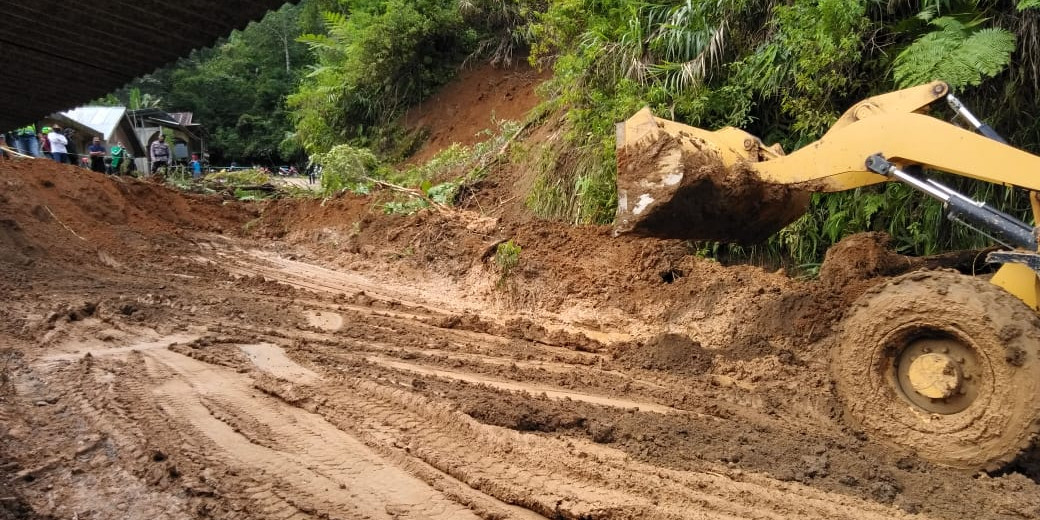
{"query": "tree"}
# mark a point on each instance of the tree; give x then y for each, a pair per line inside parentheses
(374, 59)
(236, 89)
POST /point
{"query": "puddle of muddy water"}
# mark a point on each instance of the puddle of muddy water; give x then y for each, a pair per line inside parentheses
(325, 320)
(272, 359)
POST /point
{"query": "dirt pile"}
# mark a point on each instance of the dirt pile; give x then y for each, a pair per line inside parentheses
(58, 214)
(679, 187)
(473, 104)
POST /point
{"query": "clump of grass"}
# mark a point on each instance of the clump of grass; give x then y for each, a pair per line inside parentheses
(507, 257)
(575, 185)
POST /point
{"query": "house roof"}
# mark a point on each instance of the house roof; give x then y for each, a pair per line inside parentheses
(53, 63)
(160, 117)
(183, 118)
(103, 120)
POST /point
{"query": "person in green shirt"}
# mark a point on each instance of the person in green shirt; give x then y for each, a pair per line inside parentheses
(118, 154)
(26, 142)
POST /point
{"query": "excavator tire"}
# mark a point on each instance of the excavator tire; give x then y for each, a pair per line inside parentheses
(944, 365)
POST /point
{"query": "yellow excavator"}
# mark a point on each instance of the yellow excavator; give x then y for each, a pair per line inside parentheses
(937, 362)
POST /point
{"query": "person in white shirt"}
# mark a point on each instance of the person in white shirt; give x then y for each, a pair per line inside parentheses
(59, 144)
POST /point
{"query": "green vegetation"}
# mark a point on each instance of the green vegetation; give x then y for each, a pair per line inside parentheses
(438, 182)
(347, 168)
(237, 89)
(374, 60)
(507, 257)
(244, 185)
(785, 72)
(329, 80)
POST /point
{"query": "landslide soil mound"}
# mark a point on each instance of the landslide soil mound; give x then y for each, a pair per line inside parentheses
(472, 104)
(61, 214)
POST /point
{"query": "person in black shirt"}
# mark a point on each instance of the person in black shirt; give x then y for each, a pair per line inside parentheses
(97, 156)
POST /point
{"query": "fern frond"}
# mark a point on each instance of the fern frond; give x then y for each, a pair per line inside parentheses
(954, 54)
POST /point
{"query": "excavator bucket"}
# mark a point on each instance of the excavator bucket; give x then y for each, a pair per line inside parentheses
(678, 181)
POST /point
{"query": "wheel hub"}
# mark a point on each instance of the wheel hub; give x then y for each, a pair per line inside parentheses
(935, 376)
(938, 375)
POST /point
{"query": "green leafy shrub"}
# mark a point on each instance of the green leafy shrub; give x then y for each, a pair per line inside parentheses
(345, 167)
(507, 257)
(372, 64)
(239, 177)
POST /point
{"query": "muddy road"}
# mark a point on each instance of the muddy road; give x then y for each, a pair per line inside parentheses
(168, 356)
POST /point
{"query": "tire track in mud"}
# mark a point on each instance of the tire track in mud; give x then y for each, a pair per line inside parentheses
(303, 275)
(400, 325)
(544, 370)
(567, 478)
(319, 279)
(509, 386)
(107, 403)
(325, 471)
(417, 337)
(296, 470)
(747, 411)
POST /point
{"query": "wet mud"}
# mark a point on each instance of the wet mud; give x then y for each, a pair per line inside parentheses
(189, 357)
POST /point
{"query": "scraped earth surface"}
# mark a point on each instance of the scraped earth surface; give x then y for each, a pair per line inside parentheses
(170, 356)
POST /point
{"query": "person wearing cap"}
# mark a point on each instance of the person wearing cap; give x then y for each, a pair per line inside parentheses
(59, 144)
(159, 153)
(45, 144)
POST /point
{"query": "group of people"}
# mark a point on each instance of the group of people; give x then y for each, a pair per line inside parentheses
(112, 163)
(159, 155)
(58, 144)
(53, 142)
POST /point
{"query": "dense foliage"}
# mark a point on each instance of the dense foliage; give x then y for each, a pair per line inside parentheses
(337, 74)
(373, 61)
(784, 71)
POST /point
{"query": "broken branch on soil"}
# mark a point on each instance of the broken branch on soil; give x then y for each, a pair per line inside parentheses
(15, 153)
(408, 191)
